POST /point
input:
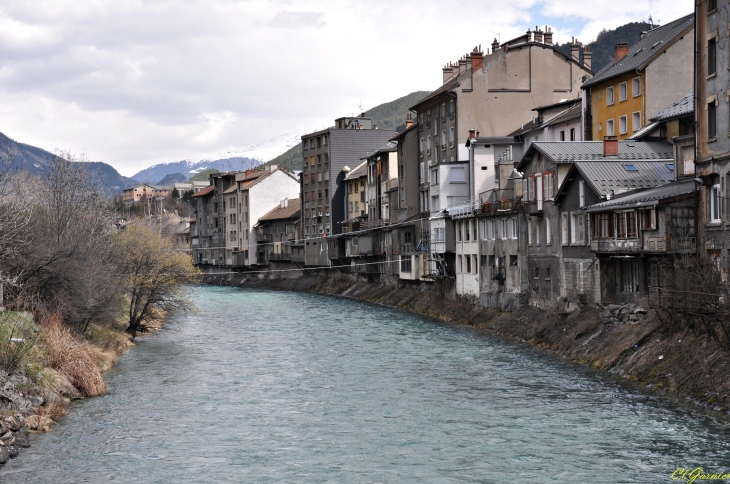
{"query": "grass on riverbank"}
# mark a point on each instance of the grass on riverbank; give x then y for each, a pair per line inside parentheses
(44, 361)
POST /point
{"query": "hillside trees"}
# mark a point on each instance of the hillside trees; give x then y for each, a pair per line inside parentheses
(67, 258)
(154, 274)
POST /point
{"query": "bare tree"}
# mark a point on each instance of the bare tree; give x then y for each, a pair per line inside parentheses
(68, 260)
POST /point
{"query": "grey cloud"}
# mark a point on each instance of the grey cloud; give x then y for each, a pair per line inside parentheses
(298, 20)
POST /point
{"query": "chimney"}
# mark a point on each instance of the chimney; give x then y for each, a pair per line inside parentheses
(409, 121)
(495, 46)
(471, 133)
(529, 35)
(622, 48)
(643, 34)
(587, 55)
(462, 65)
(468, 61)
(548, 36)
(249, 173)
(273, 168)
(538, 35)
(448, 72)
(575, 50)
(477, 57)
(610, 146)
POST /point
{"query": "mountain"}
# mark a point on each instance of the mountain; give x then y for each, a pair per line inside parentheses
(37, 161)
(173, 178)
(603, 48)
(189, 168)
(390, 115)
(204, 175)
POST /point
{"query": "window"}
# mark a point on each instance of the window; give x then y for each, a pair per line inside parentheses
(513, 228)
(443, 139)
(623, 89)
(711, 121)
(562, 136)
(564, 228)
(609, 96)
(629, 276)
(467, 230)
(602, 225)
(458, 231)
(548, 231)
(623, 125)
(547, 273)
(468, 263)
(529, 232)
(513, 260)
(451, 109)
(648, 219)
(434, 176)
(572, 134)
(490, 229)
(636, 86)
(537, 272)
(712, 56)
(537, 232)
(405, 263)
(688, 158)
(636, 121)
(711, 6)
(609, 127)
(421, 177)
(451, 137)
(428, 145)
(548, 185)
(715, 201)
(581, 193)
(577, 228)
(457, 175)
(420, 148)
(630, 167)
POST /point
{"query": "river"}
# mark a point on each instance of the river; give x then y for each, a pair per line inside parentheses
(279, 387)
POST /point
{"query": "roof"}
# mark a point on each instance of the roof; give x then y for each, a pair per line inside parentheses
(647, 198)
(559, 103)
(526, 128)
(571, 151)
(359, 171)
(683, 106)
(204, 191)
(574, 112)
(645, 50)
(607, 177)
(445, 87)
(403, 133)
(292, 209)
(644, 132)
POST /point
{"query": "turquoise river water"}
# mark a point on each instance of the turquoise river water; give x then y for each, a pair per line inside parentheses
(278, 387)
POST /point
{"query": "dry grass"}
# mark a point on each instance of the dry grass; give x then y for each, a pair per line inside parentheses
(39, 423)
(74, 359)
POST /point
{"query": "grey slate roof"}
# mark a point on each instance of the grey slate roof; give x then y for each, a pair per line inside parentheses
(445, 87)
(573, 112)
(642, 52)
(571, 151)
(358, 171)
(684, 106)
(606, 177)
(646, 198)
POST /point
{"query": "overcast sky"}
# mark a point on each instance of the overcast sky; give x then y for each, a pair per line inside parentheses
(135, 83)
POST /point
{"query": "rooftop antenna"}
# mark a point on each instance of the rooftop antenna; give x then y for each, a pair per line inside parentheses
(651, 22)
(499, 37)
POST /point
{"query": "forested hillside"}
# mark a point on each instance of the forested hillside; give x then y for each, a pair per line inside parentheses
(603, 47)
(390, 115)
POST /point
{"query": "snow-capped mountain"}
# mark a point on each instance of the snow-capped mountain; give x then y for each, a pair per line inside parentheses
(234, 160)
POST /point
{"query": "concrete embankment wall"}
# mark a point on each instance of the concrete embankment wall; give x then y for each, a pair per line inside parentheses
(636, 346)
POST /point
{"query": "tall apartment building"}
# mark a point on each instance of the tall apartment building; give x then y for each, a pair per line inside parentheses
(712, 117)
(492, 94)
(324, 155)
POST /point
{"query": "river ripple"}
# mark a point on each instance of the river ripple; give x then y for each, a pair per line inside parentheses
(265, 386)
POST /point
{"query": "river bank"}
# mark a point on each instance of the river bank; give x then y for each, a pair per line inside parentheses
(45, 367)
(625, 340)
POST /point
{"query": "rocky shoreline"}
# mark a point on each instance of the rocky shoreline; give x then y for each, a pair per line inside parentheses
(630, 341)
